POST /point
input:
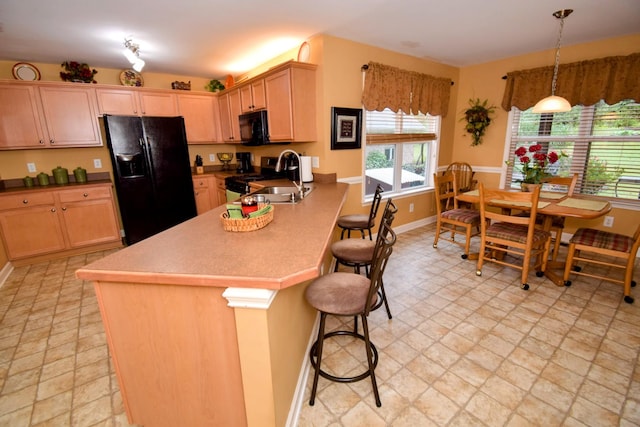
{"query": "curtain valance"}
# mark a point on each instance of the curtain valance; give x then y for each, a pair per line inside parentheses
(409, 91)
(612, 79)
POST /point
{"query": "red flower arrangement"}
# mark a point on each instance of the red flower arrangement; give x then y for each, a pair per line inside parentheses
(77, 72)
(534, 167)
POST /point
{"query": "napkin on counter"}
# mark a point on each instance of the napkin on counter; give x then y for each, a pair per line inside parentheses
(234, 211)
(260, 211)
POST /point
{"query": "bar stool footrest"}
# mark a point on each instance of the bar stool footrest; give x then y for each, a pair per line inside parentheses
(323, 374)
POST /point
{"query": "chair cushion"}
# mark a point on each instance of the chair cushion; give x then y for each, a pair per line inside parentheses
(354, 221)
(516, 232)
(341, 293)
(354, 250)
(468, 216)
(602, 239)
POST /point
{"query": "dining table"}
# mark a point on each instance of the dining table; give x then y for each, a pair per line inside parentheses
(551, 204)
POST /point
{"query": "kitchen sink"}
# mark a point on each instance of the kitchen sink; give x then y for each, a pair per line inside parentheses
(289, 194)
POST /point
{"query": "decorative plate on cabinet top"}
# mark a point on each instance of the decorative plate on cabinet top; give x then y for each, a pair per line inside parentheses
(303, 53)
(25, 71)
(131, 78)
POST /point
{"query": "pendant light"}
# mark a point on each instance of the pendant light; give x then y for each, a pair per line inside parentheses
(132, 53)
(553, 103)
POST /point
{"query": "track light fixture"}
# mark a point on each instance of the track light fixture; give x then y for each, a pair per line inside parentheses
(553, 103)
(132, 53)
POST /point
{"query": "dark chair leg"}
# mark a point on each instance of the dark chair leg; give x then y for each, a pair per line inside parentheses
(372, 374)
(384, 298)
(318, 358)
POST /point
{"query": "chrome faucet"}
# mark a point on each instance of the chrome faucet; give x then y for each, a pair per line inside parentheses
(279, 168)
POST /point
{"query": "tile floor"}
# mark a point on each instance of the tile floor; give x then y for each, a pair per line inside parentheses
(461, 350)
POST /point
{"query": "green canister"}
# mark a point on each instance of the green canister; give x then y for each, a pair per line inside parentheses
(43, 179)
(28, 181)
(80, 174)
(60, 175)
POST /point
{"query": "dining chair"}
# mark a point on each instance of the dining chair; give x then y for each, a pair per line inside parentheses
(504, 235)
(450, 218)
(464, 176)
(361, 222)
(604, 249)
(349, 294)
(557, 184)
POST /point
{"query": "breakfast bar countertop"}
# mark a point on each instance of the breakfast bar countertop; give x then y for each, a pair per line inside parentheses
(198, 252)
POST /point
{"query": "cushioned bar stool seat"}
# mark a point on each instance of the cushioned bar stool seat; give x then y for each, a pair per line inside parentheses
(361, 222)
(352, 295)
(605, 248)
(358, 253)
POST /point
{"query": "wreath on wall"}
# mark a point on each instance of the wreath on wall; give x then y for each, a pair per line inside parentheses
(478, 118)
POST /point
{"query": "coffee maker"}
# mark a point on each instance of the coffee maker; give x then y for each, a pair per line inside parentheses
(243, 159)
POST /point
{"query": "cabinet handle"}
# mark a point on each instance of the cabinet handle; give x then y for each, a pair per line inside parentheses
(85, 195)
(53, 209)
(51, 141)
(64, 209)
(25, 201)
(41, 142)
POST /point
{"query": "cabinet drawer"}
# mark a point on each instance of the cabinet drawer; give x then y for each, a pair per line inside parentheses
(25, 200)
(81, 194)
(200, 183)
(220, 184)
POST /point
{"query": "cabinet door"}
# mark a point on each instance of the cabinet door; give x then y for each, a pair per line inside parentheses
(71, 116)
(229, 112)
(199, 118)
(202, 193)
(158, 104)
(31, 231)
(252, 97)
(279, 109)
(21, 126)
(90, 222)
(117, 101)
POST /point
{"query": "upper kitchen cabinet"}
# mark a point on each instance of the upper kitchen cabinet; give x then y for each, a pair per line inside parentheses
(137, 102)
(229, 103)
(291, 102)
(252, 96)
(48, 115)
(200, 113)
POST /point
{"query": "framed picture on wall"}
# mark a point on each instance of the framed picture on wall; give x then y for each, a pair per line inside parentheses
(346, 128)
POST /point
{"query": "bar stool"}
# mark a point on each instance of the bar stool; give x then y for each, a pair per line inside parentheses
(360, 222)
(349, 294)
(358, 253)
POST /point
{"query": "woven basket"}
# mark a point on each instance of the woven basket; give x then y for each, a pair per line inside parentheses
(246, 224)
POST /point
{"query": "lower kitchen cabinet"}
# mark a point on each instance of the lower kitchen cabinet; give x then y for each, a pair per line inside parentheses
(205, 190)
(40, 224)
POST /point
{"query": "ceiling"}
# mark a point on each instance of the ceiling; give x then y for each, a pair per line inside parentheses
(205, 38)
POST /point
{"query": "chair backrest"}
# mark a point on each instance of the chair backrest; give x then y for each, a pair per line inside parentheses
(375, 204)
(381, 253)
(445, 192)
(464, 175)
(567, 184)
(495, 205)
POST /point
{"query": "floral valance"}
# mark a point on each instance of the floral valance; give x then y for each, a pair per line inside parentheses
(612, 79)
(409, 91)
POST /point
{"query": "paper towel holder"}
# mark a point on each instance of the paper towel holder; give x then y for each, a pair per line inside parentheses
(305, 168)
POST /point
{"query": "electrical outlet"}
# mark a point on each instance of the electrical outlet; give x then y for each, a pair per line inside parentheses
(97, 163)
(315, 160)
(212, 157)
(410, 207)
(608, 221)
(31, 167)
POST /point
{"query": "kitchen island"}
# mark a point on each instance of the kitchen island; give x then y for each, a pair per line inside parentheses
(207, 327)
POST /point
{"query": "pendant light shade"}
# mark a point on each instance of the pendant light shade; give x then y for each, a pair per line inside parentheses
(553, 103)
(132, 52)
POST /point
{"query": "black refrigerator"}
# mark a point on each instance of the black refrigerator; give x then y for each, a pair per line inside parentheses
(152, 173)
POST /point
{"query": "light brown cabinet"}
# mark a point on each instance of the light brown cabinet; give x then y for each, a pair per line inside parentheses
(48, 115)
(200, 113)
(221, 190)
(252, 96)
(291, 103)
(58, 221)
(229, 103)
(206, 193)
(137, 102)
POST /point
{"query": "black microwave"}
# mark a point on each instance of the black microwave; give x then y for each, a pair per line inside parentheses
(254, 129)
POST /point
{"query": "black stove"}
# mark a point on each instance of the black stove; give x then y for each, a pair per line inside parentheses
(240, 183)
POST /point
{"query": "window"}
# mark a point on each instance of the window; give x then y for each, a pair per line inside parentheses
(602, 143)
(400, 150)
